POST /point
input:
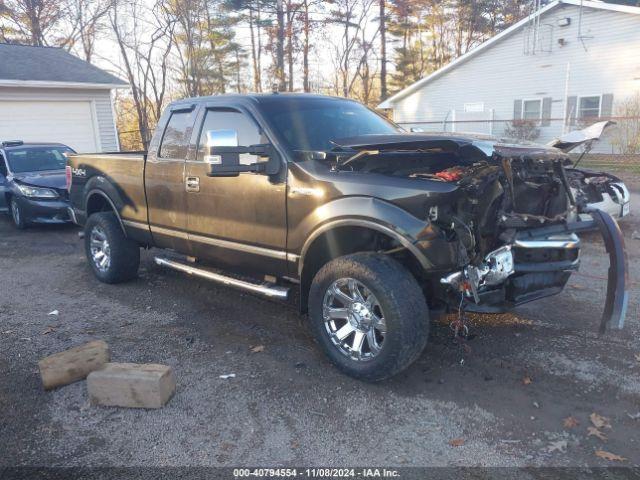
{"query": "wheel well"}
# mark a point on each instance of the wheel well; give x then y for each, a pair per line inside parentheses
(98, 203)
(345, 240)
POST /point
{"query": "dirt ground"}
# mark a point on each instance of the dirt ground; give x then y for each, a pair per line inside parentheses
(505, 405)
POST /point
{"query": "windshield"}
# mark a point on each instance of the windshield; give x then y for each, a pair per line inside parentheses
(36, 159)
(311, 124)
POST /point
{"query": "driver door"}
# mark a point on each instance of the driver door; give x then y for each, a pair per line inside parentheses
(235, 221)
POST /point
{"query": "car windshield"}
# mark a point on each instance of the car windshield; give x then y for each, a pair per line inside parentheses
(36, 159)
(311, 125)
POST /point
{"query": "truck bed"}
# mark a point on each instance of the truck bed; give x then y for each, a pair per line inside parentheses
(119, 174)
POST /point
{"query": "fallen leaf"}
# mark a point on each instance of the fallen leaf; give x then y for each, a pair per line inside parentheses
(48, 331)
(527, 380)
(54, 312)
(558, 446)
(610, 456)
(637, 357)
(570, 422)
(228, 375)
(456, 442)
(594, 432)
(257, 349)
(634, 416)
(7, 332)
(599, 421)
(577, 286)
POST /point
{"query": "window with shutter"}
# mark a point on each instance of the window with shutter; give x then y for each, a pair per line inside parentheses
(531, 109)
(589, 107)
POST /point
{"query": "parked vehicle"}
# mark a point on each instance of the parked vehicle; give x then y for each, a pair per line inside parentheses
(32, 182)
(378, 228)
(599, 190)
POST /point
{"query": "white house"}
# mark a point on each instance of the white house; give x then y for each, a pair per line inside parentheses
(49, 95)
(561, 67)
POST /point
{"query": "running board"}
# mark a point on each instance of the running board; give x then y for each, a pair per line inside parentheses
(266, 289)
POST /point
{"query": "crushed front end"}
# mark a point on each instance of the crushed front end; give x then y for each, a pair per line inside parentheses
(511, 227)
(522, 220)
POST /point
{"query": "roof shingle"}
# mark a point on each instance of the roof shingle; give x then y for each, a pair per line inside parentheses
(49, 64)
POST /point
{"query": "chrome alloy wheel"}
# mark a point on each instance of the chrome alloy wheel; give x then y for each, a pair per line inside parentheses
(354, 319)
(100, 249)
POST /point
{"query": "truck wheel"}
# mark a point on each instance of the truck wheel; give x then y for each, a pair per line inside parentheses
(369, 315)
(113, 257)
(17, 214)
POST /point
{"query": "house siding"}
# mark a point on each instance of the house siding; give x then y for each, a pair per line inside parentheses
(605, 61)
(101, 104)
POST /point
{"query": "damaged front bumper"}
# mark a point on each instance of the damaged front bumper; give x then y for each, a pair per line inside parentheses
(537, 263)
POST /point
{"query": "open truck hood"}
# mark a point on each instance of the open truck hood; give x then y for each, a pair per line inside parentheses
(574, 139)
(445, 143)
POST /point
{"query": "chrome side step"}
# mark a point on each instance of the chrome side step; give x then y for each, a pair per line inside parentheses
(266, 289)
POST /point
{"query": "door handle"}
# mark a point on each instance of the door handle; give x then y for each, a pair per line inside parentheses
(193, 184)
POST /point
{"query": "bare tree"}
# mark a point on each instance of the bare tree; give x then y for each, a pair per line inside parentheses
(145, 38)
(383, 50)
(35, 22)
(280, 45)
(256, 43)
(349, 52)
(626, 135)
(86, 18)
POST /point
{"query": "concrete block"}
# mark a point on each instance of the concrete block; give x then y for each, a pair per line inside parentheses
(131, 385)
(72, 365)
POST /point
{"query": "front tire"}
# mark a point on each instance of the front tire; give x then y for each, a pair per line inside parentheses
(113, 257)
(369, 315)
(17, 215)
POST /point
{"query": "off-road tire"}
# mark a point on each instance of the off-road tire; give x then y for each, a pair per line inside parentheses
(17, 214)
(124, 252)
(400, 298)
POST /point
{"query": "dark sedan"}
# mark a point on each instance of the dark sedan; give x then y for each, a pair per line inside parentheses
(33, 187)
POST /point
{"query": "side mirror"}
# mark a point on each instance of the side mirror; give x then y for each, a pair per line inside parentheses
(223, 155)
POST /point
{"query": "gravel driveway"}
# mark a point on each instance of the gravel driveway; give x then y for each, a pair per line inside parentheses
(506, 404)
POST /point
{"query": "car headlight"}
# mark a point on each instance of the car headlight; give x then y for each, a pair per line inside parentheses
(37, 192)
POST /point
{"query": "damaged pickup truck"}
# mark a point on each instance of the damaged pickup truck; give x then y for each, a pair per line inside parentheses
(377, 228)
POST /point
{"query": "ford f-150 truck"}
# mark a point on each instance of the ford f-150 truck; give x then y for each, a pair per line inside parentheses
(376, 227)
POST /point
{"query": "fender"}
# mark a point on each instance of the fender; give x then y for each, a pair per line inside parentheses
(416, 235)
(96, 191)
(355, 222)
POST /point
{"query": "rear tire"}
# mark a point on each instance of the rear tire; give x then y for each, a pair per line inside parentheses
(17, 214)
(113, 257)
(369, 315)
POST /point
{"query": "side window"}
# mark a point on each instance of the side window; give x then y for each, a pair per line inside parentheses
(248, 131)
(175, 140)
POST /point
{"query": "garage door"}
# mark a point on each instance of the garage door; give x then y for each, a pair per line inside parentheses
(65, 122)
